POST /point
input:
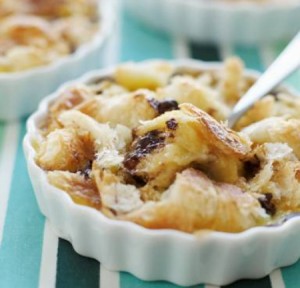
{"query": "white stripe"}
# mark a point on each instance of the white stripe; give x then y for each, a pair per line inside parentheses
(276, 279)
(181, 48)
(7, 163)
(109, 279)
(226, 50)
(267, 54)
(49, 258)
(211, 286)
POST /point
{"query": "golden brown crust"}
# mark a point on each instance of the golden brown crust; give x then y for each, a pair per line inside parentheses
(276, 130)
(226, 139)
(277, 175)
(232, 81)
(119, 111)
(82, 190)
(66, 150)
(184, 89)
(194, 202)
(68, 100)
(148, 76)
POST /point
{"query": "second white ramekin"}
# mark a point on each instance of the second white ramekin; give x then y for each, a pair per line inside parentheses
(220, 22)
(184, 259)
(20, 92)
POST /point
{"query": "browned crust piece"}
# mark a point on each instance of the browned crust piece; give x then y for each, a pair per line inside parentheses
(227, 140)
(195, 202)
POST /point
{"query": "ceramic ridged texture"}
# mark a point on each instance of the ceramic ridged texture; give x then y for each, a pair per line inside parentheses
(221, 23)
(20, 92)
(210, 257)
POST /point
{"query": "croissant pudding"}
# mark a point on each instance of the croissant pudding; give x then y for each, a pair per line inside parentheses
(150, 144)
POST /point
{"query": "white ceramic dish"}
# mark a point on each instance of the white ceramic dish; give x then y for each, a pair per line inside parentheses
(20, 92)
(220, 22)
(210, 257)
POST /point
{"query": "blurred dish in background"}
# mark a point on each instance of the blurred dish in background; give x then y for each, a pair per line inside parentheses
(221, 21)
(36, 33)
(46, 43)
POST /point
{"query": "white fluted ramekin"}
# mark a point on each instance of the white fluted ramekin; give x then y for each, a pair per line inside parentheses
(20, 92)
(220, 22)
(185, 259)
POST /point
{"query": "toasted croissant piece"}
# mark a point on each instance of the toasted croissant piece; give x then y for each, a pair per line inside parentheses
(116, 196)
(103, 136)
(185, 89)
(106, 87)
(127, 109)
(261, 109)
(232, 80)
(195, 202)
(83, 191)
(143, 76)
(269, 106)
(68, 99)
(65, 149)
(177, 139)
(278, 175)
(276, 129)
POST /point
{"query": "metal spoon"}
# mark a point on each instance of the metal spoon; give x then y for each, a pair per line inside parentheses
(285, 64)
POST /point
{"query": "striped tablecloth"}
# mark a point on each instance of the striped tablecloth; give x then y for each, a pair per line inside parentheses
(31, 255)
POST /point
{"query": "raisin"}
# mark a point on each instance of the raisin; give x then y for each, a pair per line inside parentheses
(172, 124)
(143, 146)
(266, 203)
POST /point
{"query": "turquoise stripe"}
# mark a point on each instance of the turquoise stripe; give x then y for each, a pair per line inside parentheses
(250, 56)
(261, 283)
(128, 281)
(74, 270)
(291, 275)
(23, 232)
(139, 42)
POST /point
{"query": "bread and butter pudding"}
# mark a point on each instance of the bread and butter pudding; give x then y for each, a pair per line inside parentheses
(149, 144)
(35, 33)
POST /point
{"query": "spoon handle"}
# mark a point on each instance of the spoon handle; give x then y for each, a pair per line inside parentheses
(286, 63)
